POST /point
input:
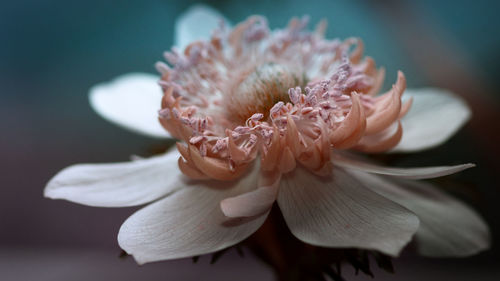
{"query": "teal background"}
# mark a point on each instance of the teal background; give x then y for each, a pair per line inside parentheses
(52, 52)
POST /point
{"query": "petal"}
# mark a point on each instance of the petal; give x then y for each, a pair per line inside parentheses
(387, 109)
(349, 162)
(131, 101)
(338, 211)
(215, 168)
(352, 128)
(188, 223)
(381, 141)
(448, 227)
(434, 117)
(254, 202)
(117, 184)
(197, 23)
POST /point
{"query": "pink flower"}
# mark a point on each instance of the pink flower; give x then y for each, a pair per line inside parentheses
(265, 116)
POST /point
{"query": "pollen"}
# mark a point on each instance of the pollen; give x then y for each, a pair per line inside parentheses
(259, 90)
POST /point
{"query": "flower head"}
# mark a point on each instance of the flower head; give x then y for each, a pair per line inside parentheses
(286, 97)
(265, 116)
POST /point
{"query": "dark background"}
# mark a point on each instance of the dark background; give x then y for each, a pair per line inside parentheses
(52, 52)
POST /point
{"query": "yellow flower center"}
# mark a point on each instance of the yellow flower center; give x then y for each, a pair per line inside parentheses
(257, 91)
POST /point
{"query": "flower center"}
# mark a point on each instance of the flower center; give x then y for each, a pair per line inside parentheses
(258, 90)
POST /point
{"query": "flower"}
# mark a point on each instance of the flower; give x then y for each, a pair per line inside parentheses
(265, 116)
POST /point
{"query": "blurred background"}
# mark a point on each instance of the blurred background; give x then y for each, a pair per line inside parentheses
(53, 51)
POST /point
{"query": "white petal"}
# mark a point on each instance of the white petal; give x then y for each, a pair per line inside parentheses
(131, 101)
(434, 117)
(252, 203)
(197, 23)
(448, 227)
(117, 184)
(406, 173)
(338, 211)
(188, 223)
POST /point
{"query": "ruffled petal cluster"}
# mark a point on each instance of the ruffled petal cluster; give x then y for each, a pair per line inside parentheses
(287, 97)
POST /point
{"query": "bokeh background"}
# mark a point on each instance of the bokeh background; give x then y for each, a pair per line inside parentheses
(53, 51)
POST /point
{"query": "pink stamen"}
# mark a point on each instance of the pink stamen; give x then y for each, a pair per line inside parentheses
(298, 123)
